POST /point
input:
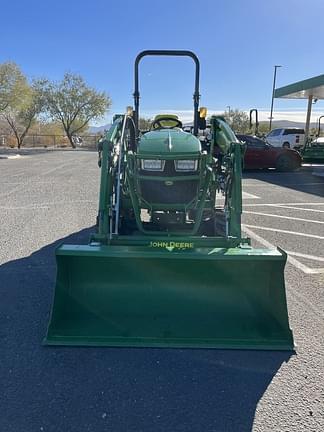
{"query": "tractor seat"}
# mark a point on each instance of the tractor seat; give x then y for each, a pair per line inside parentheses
(165, 121)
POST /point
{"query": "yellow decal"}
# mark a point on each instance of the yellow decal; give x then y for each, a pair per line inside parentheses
(171, 245)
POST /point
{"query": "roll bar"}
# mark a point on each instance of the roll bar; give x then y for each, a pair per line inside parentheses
(177, 53)
(256, 130)
(319, 125)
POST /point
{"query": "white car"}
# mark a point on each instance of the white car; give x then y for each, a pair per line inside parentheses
(319, 141)
(286, 137)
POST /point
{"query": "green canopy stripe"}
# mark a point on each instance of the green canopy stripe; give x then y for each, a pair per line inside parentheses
(303, 89)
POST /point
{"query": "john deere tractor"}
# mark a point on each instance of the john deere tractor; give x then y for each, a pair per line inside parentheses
(168, 265)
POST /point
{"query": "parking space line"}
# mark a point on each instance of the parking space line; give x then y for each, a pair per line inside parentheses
(300, 208)
(285, 231)
(310, 257)
(285, 204)
(18, 174)
(15, 189)
(55, 169)
(47, 205)
(249, 196)
(38, 207)
(305, 269)
(282, 185)
(283, 217)
(245, 195)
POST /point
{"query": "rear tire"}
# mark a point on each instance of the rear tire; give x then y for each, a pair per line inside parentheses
(286, 163)
(286, 145)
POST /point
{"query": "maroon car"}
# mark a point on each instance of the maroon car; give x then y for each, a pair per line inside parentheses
(260, 154)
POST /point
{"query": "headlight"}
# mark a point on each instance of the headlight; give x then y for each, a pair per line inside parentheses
(186, 165)
(152, 164)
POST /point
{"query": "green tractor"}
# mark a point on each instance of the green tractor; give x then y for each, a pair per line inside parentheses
(168, 266)
(313, 149)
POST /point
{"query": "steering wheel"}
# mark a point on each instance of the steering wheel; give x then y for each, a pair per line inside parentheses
(157, 124)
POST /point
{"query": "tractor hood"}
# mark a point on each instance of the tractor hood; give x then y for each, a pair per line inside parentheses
(168, 141)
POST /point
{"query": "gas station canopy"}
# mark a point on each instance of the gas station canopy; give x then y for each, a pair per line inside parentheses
(312, 87)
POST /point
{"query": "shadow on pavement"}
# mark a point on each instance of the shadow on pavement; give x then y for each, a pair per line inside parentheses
(99, 389)
(302, 180)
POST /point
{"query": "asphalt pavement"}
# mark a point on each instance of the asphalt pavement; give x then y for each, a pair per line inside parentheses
(50, 198)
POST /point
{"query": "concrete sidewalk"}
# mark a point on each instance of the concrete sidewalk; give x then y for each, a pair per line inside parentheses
(9, 156)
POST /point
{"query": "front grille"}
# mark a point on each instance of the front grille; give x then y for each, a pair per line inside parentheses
(181, 192)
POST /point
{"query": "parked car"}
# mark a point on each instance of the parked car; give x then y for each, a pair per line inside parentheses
(261, 154)
(286, 137)
(313, 151)
(319, 141)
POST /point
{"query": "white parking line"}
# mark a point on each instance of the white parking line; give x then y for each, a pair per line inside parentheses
(283, 217)
(247, 195)
(281, 185)
(290, 259)
(318, 173)
(10, 191)
(47, 205)
(18, 174)
(23, 208)
(288, 204)
(286, 232)
(300, 208)
(310, 257)
(54, 169)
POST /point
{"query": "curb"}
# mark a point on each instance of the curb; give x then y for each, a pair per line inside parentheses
(10, 156)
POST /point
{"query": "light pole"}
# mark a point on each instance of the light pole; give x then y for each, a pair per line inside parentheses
(273, 90)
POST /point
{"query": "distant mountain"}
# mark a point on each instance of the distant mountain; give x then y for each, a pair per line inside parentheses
(275, 124)
(98, 129)
(288, 124)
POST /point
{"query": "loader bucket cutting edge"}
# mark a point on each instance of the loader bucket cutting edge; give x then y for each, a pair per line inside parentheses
(132, 297)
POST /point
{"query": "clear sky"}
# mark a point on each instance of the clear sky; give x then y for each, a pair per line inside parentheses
(237, 41)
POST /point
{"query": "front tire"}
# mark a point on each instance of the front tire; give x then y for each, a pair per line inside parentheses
(286, 145)
(285, 163)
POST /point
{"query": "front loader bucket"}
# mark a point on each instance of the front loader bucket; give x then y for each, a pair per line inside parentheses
(202, 298)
